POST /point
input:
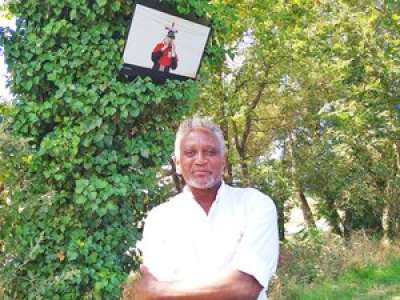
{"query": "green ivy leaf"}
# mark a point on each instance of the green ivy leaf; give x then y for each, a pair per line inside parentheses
(80, 185)
(80, 199)
(101, 3)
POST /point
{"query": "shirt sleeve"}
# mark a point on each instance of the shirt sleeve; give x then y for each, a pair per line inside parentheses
(258, 250)
(154, 247)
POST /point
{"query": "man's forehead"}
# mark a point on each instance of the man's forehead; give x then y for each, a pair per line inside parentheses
(203, 130)
(200, 130)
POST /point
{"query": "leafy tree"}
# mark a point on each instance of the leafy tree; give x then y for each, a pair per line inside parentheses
(328, 108)
(253, 99)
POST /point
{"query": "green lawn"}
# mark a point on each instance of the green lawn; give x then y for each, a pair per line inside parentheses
(368, 283)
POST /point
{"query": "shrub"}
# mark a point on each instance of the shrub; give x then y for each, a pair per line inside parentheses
(312, 256)
(95, 145)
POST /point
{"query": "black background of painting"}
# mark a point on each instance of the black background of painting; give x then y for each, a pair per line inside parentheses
(129, 72)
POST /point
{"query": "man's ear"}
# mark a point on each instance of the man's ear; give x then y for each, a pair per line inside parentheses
(177, 165)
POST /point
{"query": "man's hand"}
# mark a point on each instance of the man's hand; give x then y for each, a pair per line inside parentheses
(140, 286)
(234, 286)
(147, 285)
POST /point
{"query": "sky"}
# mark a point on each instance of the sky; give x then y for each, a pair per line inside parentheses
(4, 92)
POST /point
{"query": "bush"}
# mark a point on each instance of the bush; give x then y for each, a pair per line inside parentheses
(313, 256)
(95, 145)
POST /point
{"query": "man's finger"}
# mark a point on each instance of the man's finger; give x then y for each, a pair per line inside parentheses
(146, 272)
(144, 269)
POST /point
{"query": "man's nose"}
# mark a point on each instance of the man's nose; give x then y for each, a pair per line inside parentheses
(201, 158)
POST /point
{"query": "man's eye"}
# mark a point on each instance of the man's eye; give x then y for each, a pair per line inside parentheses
(212, 152)
(189, 153)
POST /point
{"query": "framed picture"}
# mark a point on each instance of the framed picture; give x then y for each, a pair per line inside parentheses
(162, 44)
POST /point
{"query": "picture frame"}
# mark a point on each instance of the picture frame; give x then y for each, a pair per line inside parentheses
(163, 44)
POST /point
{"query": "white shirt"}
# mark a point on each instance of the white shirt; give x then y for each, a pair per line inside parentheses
(181, 242)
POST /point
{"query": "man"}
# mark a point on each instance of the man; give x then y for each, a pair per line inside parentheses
(212, 241)
(164, 54)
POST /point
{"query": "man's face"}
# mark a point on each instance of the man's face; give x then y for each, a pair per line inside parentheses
(201, 160)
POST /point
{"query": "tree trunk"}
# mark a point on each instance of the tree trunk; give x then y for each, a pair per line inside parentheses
(241, 139)
(281, 222)
(241, 150)
(225, 130)
(391, 211)
(395, 212)
(245, 171)
(178, 181)
(305, 207)
(348, 224)
(334, 218)
(386, 223)
(395, 219)
(391, 215)
(397, 151)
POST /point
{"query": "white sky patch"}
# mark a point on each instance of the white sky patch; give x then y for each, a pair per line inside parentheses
(239, 57)
(5, 95)
(237, 61)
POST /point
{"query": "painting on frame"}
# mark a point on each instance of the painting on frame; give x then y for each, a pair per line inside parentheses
(162, 44)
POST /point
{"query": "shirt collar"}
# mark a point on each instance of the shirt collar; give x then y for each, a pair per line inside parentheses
(220, 192)
(218, 197)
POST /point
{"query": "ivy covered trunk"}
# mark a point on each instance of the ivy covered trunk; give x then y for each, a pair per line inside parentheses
(95, 146)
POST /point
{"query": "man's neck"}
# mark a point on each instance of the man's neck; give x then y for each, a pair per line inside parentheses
(205, 197)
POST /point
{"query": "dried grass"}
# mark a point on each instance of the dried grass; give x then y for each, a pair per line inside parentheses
(307, 259)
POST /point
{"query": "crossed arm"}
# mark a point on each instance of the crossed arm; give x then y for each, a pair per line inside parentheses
(235, 285)
(256, 254)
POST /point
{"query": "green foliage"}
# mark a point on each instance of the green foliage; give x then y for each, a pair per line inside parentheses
(311, 255)
(95, 145)
(371, 282)
(315, 265)
(14, 156)
(310, 110)
(315, 89)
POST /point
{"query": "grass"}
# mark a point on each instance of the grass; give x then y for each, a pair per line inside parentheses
(372, 282)
(319, 266)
